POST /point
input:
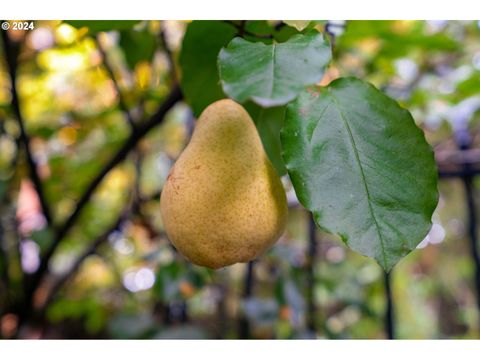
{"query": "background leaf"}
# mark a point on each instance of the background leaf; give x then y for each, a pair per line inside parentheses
(361, 165)
(95, 26)
(394, 41)
(272, 74)
(137, 46)
(198, 60)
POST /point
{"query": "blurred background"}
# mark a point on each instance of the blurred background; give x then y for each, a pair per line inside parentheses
(87, 257)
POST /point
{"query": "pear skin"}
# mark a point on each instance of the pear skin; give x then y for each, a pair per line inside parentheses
(223, 202)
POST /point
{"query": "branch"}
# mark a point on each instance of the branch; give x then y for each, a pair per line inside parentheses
(4, 276)
(138, 133)
(244, 323)
(133, 207)
(92, 249)
(241, 28)
(242, 31)
(310, 281)
(121, 102)
(11, 54)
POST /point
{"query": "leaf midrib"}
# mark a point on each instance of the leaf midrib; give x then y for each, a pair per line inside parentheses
(364, 180)
(273, 71)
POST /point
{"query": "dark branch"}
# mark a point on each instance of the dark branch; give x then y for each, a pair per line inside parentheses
(92, 249)
(4, 276)
(241, 28)
(310, 269)
(119, 156)
(244, 323)
(121, 102)
(464, 143)
(11, 53)
(472, 231)
(242, 31)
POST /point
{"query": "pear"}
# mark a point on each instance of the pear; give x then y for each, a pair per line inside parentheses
(223, 202)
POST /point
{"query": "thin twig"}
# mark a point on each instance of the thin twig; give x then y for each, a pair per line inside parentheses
(241, 27)
(242, 31)
(310, 268)
(11, 54)
(464, 142)
(92, 249)
(121, 101)
(472, 230)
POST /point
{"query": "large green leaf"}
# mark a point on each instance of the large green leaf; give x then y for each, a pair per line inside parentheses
(269, 122)
(95, 26)
(361, 165)
(198, 61)
(272, 74)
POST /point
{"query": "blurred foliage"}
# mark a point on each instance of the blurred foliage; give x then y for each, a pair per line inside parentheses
(135, 285)
(198, 61)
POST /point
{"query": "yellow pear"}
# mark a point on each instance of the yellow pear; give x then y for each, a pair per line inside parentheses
(223, 202)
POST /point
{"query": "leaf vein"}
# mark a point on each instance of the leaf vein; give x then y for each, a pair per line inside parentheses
(362, 174)
(273, 72)
(318, 123)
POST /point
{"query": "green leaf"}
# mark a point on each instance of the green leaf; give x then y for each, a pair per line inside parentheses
(273, 74)
(269, 122)
(468, 87)
(360, 164)
(96, 26)
(198, 60)
(285, 33)
(137, 46)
